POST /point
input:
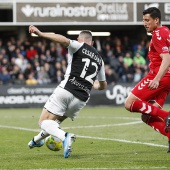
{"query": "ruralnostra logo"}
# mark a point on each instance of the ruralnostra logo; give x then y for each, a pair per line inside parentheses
(27, 10)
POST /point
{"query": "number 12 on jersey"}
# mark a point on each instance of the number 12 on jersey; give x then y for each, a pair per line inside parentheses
(87, 66)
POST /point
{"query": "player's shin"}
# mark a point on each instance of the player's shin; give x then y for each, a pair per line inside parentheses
(52, 128)
(146, 108)
(42, 135)
(157, 124)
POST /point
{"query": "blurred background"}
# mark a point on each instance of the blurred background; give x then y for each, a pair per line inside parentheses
(31, 67)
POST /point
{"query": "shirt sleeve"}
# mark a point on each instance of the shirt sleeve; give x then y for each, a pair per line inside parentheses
(159, 41)
(74, 46)
(101, 74)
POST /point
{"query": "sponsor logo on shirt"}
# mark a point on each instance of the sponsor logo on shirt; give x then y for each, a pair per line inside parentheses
(79, 85)
(165, 48)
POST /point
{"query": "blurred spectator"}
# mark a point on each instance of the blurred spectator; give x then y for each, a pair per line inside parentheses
(38, 47)
(118, 43)
(11, 50)
(42, 49)
(28, 71)
(64, 65)
(5, 77)
(1, 44)
(42, 76)
(20, 80)
(139, 62)
(50, 70)
(23, 51)
(30, 54)
(58, 77)
(108, 53)
(1, 58)
(49, 58)
(58, 66)
(60, 51)
(21, 62)
(127, 74)
(5, 62)
(127, 43)
(31, 80)
(3, 53)
(18, 43)
(26, 44)
(111, 77)
(128, 59)
(14, 73)
(140, 48)
(118, 52)
(53, 52)
(98, 44)
(120, 67)
(42, 59)
(137, 75)
(107, 40)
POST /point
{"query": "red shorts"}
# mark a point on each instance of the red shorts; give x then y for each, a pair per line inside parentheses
(142, 92)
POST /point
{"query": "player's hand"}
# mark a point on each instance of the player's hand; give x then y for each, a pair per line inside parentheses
(96, 85)
(153, 84)
(35, 30)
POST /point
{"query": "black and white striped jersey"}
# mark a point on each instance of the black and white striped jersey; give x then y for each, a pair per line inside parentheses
(84, 66)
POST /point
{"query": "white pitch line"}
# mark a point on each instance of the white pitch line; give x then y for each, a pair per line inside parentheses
(123, 140)
(107, 125)
(19, 128)
(76, 127)
(130, 168)
(89, 137)
(105, 117)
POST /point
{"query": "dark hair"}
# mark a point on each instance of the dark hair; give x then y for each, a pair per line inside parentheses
(86, 34)
(154, 12)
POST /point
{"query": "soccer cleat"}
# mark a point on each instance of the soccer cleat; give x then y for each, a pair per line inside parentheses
(69, 139)
(167, 122)
(32, 143)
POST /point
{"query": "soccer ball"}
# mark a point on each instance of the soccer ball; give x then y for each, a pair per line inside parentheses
(53, 143)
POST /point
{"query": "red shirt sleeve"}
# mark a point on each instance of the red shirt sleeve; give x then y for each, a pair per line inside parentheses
(160, 40)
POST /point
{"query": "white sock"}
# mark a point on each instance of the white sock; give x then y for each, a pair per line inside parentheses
(43, 134)
(52, 128)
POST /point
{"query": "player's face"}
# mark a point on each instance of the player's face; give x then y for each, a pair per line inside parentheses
(149, 23)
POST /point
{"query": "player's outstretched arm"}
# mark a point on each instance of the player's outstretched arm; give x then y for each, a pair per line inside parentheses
(54, 37)
(99, 85)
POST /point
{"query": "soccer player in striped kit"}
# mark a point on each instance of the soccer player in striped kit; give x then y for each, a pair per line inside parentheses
(85, 70)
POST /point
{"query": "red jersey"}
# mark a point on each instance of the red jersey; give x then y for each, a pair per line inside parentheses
(159, 44)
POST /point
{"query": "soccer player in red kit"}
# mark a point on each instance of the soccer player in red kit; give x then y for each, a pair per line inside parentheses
(149, 95)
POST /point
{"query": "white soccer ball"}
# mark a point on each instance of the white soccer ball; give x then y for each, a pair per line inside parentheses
(53, 143)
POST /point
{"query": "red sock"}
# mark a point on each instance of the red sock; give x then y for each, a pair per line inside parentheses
(157, 124)
(146, 108)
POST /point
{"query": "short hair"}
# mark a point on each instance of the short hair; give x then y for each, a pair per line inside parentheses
(86, 34)
(154, 12)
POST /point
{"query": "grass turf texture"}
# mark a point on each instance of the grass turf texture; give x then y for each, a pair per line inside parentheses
(105, 137)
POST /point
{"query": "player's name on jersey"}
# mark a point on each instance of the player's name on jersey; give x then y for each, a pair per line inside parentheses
(92, 55)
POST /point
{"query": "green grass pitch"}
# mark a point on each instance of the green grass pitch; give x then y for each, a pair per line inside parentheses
(108, 138)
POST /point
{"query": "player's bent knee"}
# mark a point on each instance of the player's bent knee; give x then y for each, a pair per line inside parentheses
(127, 105)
